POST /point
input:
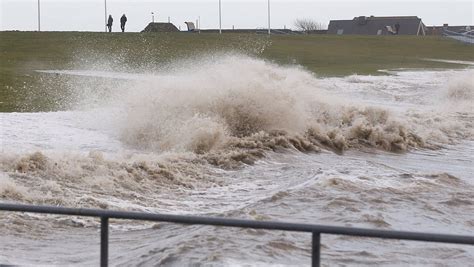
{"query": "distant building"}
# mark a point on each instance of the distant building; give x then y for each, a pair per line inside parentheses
(160, 27)
(446, 29)
(405, 25)
(464, 33)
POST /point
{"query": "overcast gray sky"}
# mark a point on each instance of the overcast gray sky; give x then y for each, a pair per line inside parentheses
(88, 15)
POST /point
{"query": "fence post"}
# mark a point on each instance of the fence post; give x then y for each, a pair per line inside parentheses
(316, 255)
(104, 241)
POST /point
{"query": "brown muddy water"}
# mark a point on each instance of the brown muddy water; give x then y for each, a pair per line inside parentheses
(244, 138)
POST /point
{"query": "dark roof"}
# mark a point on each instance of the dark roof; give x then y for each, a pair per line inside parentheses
(257, 31)
(160, 27)
(409, 25)
(394, 17)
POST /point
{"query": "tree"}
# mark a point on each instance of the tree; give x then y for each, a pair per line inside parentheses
(306, 25)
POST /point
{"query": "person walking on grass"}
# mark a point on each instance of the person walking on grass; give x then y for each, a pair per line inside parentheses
(109, 23)
(123, 20)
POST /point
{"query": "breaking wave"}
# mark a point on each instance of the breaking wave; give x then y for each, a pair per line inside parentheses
(96, 181)
(226, 111)
(237, 102)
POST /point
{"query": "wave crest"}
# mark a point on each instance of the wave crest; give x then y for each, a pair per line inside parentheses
(238, 99)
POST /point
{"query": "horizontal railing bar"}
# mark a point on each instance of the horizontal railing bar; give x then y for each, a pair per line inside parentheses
(267, 225)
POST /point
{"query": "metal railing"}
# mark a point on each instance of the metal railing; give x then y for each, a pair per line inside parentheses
(314, 229)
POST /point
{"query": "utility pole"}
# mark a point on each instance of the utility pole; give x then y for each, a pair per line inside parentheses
(105, 14)
(199, 20)
(220, 17)
(269, 27)
(39, 16)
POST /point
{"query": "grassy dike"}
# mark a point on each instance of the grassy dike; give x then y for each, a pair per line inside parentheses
(21, 53)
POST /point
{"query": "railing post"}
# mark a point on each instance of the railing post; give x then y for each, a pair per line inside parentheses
(316, 255)
(104, 241)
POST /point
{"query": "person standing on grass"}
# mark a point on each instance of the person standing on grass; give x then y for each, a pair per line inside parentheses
(109, 23)
(397, 28)
(123, 20)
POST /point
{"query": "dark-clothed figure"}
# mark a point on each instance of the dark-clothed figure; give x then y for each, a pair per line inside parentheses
(123, 20)
(397, 28)
(109, 23)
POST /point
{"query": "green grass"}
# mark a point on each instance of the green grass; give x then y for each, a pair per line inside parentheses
(329, 55)
(21, 53)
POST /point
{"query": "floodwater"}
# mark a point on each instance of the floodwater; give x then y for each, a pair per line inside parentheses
(244, 138)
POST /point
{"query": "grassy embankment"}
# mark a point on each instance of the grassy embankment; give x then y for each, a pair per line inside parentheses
(21, 53)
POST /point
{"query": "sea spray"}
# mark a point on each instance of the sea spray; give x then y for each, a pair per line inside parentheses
(460, 93)
(237, 97)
